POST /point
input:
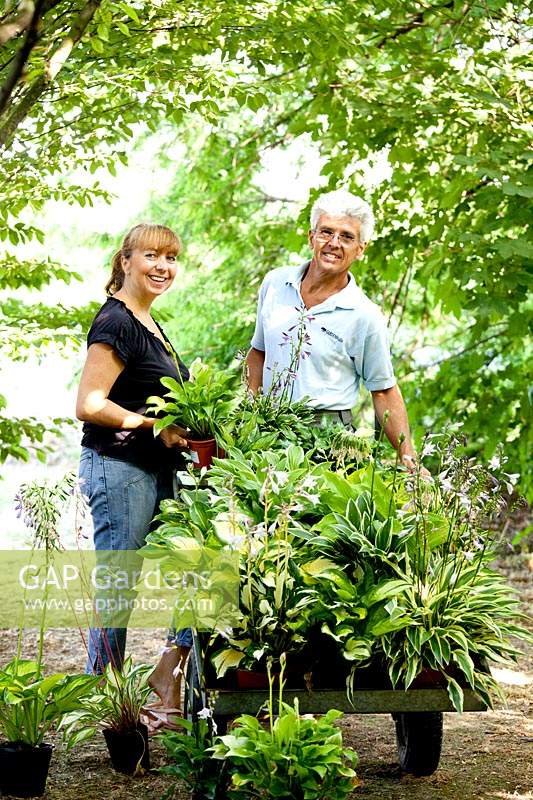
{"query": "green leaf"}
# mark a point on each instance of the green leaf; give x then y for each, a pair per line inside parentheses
(97, 45)
(455, 694)
(225, 660)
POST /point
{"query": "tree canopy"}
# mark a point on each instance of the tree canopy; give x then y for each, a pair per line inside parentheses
(441, 88)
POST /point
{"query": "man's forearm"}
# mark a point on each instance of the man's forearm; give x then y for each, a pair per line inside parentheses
(255, 361)
(395, 423)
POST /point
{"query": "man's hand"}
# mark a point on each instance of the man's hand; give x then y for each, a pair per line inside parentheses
(255, 361)
(411, 464)
(174, 436)
(392, 414)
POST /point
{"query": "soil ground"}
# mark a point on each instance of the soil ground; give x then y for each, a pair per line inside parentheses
(486, 756)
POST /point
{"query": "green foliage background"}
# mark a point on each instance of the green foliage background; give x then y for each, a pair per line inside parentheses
(443, 88)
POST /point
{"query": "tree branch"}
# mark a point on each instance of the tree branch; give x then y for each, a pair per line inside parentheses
(18, 21)
(21, 58)
(459, 353)
(52, 67)
(415, 22)
(77, 30)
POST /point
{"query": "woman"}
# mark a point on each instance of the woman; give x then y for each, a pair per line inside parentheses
(125, 471)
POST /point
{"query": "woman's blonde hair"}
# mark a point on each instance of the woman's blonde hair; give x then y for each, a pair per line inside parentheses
(141, 237)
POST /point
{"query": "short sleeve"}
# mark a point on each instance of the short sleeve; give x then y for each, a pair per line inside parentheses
(116, 330)
(258, 339)
(378, 373)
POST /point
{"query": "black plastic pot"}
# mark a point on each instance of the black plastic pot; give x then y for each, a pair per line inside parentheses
(128, 749)
(24, 769)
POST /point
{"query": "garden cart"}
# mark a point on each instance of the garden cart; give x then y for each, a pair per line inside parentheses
(417, 712)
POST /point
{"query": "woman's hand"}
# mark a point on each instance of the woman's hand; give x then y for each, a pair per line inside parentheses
(174, 436)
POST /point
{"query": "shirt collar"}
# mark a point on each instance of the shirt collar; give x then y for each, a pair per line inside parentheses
(347, 298)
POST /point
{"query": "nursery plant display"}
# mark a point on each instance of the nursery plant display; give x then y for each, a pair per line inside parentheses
(391, 568)
(404, 571)
(31, 706)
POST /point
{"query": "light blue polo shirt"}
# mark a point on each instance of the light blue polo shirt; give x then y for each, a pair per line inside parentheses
(346, 341)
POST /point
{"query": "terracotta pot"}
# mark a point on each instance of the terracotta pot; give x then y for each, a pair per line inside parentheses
(252, 679)
(434, 679)
(258, 679)
(24, 769)
(203, 451)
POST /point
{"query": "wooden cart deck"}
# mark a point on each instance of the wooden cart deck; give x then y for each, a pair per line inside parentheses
(365, 701)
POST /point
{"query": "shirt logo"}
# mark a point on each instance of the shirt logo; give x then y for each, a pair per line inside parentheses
(333, 335)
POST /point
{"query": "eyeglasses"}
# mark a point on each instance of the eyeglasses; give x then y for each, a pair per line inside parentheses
(327, 235)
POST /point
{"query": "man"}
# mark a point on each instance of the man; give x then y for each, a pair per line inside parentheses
(319, 330)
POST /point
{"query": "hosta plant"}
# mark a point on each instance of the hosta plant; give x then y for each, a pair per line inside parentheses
(273, 616)
(202, 404)
(32, 705)
(458, 617)
(403, 574)
(191, 760)
(265, 422)
(294, 756)
(264, 485)
(115, 703)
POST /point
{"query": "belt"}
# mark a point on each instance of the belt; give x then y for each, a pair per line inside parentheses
(343, 415)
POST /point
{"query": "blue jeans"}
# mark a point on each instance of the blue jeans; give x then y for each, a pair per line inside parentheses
(123, 499)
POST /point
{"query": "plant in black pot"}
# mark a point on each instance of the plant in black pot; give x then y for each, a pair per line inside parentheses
(32, 705)
(116, 706)
(201, 405)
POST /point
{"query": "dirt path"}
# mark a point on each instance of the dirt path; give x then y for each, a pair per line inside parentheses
(486, 756)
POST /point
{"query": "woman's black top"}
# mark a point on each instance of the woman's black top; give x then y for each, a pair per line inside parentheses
(146, 360)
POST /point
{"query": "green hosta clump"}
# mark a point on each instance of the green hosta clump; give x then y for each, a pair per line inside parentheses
(264, 422)
(202, 404)
(274, 606)
(402, 572)
(300, 757)
(457, 616)
(296, 756)
(115, 703)
(191, 760)
(264, 485)
(32, 705)
(267, 496)
(192, 515)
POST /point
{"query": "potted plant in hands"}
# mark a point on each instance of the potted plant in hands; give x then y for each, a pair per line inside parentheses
(116, 705)
(201, 405)
(31, 705)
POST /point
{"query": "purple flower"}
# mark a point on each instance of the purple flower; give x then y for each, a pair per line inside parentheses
(18, 506)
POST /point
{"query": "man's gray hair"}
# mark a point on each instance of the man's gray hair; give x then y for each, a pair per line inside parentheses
(344, 204)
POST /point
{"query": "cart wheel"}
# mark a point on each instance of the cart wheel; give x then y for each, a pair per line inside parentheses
(419, 740)
(192, 701)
